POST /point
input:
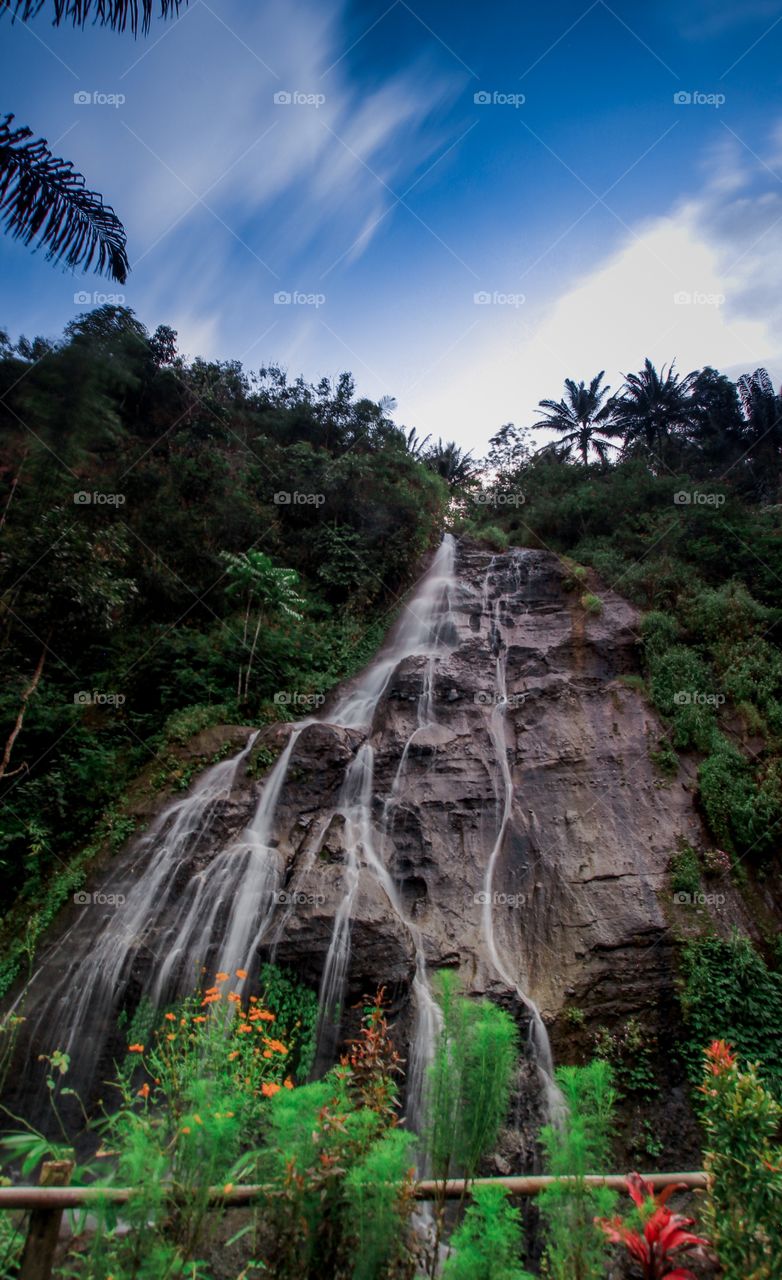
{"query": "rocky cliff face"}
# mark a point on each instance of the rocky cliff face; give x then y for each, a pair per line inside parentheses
(576, 894)
(514, 746)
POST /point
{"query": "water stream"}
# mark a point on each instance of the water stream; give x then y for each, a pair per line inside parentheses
(186, 907)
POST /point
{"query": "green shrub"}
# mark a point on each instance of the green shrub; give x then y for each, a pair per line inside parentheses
(184, 724)
(493, 536)
(685, 871)
(630, 1050)
(729, 993)
(660, 632)
(575, 574)
(378, 1202)
(665, 758)
(469, 1081)
(575, 1248)
(591, 603)
(488, 1242)
(744, 1161)
(680, 683)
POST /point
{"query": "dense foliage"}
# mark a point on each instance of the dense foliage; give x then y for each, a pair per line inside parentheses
(215, 1095)
(729, 993)
(183, 544)
(681, 515)
(744, 1161)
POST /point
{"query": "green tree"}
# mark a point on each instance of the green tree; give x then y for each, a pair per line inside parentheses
(263, 588)
(652, 406)
(583, 419)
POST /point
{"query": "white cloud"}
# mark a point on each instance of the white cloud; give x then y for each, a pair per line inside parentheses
(720, 245)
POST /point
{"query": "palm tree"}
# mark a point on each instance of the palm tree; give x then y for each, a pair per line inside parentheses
(652, 406)
(761, 409)
(455, 467)
(582, 418)
(42, 199)
(414, 445)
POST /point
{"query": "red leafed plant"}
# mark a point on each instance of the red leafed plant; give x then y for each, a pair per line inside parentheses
(660, 1234)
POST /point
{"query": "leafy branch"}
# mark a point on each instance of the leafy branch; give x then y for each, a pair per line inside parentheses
(43, 199)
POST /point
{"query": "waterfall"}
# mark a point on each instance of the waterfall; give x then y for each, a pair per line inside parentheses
(94, 969)
(194, 900)
(427, 623)
(355, 806)
(427, 629)
(538, 1035)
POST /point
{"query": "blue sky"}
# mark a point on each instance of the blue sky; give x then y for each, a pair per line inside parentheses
(464, 256)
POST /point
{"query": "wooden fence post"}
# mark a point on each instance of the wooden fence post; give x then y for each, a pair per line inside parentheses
(44, 1229)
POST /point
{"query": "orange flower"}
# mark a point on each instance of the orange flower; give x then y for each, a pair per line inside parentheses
(135, 1048)
(234, 997)
(170, 1017)
(245, 1027)
(262, 1015)
(210, 999)
(269, 1090)
(199, 1018)
(222, 977)
(288, 1083)
(171, 1037)
(276, 1046)
(267, 1053)
(241, 973)
(233, 1055)
(253, 999)
(228, 1188)
(185, 1128)
(144, 1091)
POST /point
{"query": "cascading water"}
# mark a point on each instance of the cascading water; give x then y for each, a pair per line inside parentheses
(238, 892)
(355, 806)
(188, 906)
(94, 969)
(539, 1039)
(426, 630)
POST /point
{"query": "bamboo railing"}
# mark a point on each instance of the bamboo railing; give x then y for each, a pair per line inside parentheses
(53, 1196)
